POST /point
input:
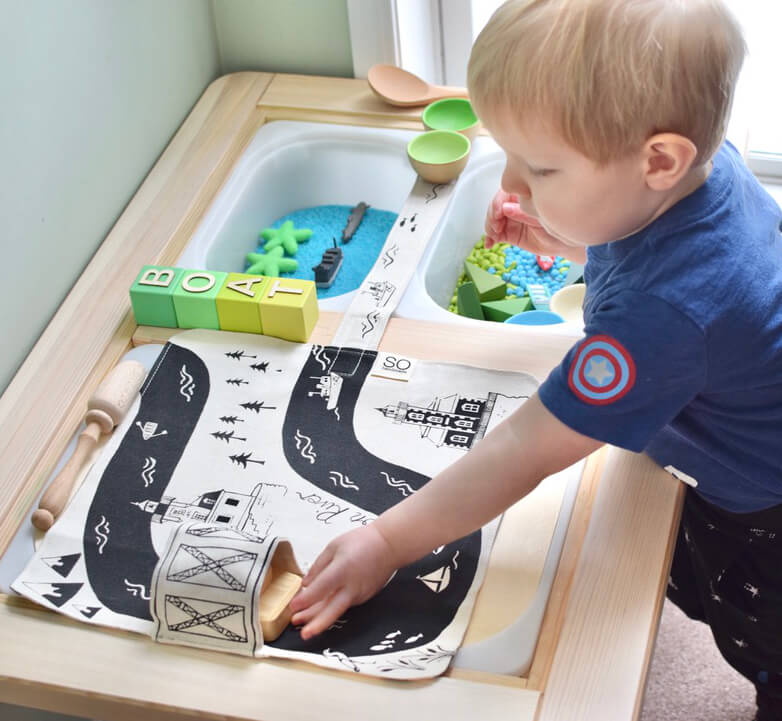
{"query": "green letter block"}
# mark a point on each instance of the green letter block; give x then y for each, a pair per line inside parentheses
(151, 296)
(194, 298)
(238, 302)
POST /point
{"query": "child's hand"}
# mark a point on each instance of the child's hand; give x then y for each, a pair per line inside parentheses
(507, 223)
(350, 570)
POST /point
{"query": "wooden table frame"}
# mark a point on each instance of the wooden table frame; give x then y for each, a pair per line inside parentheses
(598, 632)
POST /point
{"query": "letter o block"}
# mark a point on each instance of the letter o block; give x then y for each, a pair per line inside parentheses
(195, 298)
(289, 309)
(239, 302)
(152, 296)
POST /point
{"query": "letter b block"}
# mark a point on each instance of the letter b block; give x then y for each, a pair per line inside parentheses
(194, 298)
(289, 309)
(151, 296)
(239, 302)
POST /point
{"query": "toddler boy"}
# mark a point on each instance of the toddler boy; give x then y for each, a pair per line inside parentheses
(612, 116)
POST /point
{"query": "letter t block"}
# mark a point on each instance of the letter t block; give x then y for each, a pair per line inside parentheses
(289, 309)
(151, 296)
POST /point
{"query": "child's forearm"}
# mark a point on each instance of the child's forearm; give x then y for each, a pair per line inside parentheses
(502, 468)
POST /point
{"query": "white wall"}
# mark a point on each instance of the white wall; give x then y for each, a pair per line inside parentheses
(284, 36)
(91, 92)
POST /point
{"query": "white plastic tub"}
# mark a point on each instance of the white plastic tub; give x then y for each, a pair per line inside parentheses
(291, 165)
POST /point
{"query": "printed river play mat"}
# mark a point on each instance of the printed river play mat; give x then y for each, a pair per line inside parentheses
(250, 439)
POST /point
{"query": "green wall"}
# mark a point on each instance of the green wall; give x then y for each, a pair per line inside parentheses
(91, 92)
(285, 36)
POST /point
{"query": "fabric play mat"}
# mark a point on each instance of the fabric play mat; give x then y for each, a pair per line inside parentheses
(239, 440)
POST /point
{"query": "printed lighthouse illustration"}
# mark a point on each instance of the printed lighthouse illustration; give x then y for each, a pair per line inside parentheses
(453, 420)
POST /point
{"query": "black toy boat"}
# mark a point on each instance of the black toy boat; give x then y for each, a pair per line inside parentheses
(330, 263)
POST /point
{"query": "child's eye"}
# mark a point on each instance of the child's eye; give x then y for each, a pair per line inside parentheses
(542, 172)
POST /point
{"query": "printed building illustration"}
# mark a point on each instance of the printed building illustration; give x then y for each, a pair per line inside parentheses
(450, 421)
(240, 511)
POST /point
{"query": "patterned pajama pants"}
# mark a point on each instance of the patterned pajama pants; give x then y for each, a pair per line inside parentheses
(727, 572)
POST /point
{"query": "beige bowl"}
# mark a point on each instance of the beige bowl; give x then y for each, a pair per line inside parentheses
(567, 302)
(439, 155)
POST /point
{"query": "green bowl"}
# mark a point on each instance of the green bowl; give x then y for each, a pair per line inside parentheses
(439, 155)
(451, 114)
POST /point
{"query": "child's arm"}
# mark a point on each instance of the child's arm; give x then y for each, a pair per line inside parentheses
(506, 465)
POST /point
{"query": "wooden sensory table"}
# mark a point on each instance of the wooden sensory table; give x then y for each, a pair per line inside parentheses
(596, 641)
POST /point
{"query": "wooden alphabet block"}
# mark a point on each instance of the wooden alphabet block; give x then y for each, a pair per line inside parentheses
(152, 296)
(289, 309)
(239, 302)
(195, 298)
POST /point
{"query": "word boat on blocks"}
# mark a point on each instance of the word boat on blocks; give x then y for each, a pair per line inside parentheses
(170, 297)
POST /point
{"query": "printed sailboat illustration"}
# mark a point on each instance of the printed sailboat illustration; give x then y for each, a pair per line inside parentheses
(437, 580)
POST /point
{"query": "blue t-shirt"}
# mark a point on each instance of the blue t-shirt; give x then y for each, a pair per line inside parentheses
(682, 355)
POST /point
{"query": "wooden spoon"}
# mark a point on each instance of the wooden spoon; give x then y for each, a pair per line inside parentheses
(399, 87)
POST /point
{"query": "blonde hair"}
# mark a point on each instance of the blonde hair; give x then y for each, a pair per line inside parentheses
(611, 73)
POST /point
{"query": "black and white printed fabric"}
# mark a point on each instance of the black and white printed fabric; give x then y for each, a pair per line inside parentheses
(269, 439)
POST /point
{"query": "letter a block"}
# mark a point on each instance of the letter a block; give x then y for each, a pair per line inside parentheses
(289, 309)
(239, 302)
(194, 298)
(152, 296)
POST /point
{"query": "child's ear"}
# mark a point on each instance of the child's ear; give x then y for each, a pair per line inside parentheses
(667, 159)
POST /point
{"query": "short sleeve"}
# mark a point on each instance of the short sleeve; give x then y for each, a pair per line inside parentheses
(640, 363)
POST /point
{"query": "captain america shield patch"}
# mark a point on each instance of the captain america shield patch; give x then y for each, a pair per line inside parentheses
(602, 371)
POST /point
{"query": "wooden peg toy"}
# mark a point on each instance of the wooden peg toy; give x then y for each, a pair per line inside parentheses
(278, 589)
(105, 409)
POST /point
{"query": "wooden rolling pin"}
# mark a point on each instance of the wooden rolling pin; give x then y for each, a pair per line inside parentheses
(106, 409)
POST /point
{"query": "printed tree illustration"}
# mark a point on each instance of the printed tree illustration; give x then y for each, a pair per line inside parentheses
(237, 382)
(257, 406)
(242, 459)
(231, 419)
(260, 366)
(227, 436)
(239, 354)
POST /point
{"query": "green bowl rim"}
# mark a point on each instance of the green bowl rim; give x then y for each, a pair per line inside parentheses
(443, 101)
(428, 134)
